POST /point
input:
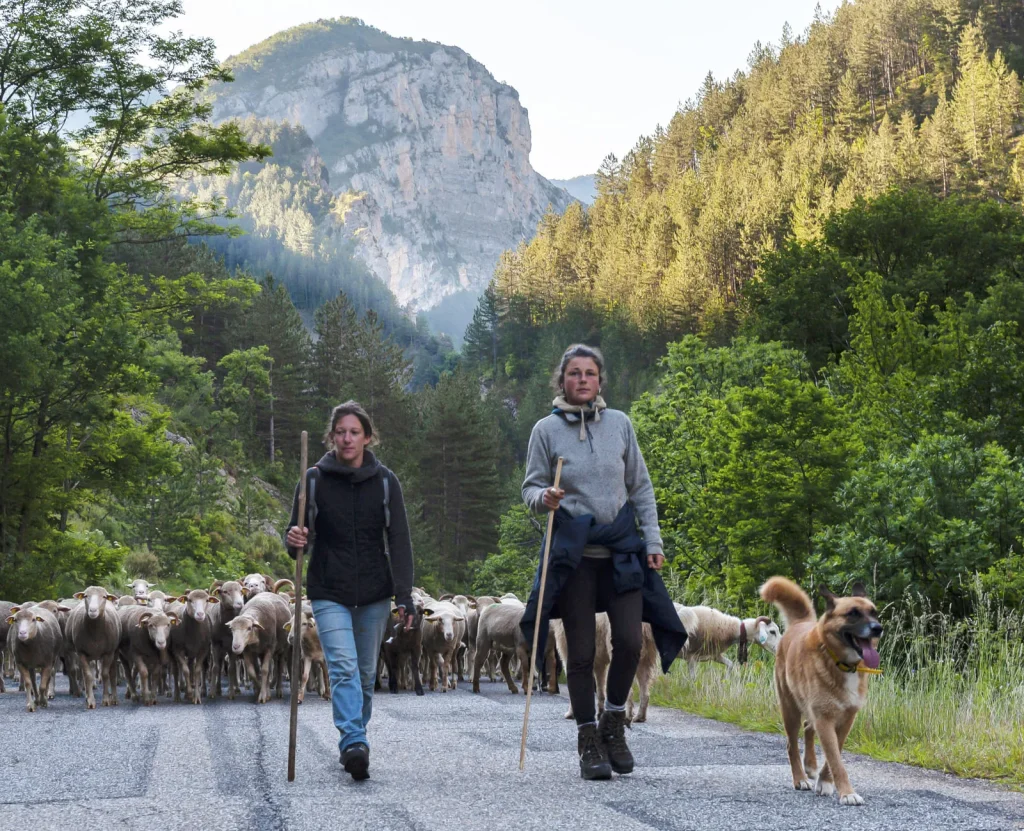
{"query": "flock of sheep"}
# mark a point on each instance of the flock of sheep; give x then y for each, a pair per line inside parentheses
(243, 629)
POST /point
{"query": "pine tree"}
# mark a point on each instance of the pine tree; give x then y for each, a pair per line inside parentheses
(941, 145)
(480, 342)
(272, 320)
(334, 353)
(986, 103)
(379, 376)
(458, 476)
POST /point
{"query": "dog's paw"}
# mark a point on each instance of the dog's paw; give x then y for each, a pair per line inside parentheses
(823, 788)
(802, 785)
(851, 799)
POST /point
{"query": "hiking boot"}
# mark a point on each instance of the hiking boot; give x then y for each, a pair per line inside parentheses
(593, 756)
(356, 760)
(612, 730)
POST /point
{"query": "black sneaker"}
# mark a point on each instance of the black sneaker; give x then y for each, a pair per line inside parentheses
(612, 730)
(356, 760)
(593, 756)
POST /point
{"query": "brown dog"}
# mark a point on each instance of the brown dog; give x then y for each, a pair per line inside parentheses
(821, 678)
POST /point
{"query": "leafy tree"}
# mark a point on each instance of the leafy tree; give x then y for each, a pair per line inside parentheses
(514, 566)
(986, 103)
(246, 384)
(745, 454)
(918, 244)
(926, 518)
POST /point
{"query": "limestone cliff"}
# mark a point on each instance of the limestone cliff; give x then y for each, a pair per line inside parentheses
(428, 154)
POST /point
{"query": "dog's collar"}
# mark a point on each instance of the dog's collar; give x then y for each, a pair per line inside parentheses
(845, 667)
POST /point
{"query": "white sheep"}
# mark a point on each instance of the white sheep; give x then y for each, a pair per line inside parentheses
(710, 632)
(443, 629)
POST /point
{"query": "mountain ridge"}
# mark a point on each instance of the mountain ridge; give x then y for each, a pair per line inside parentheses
(426, 151)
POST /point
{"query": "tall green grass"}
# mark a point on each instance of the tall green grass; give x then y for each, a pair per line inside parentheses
(951, 699)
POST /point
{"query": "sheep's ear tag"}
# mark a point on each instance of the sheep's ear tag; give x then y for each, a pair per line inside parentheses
(10, 619)
(112, 598)
(288, 626)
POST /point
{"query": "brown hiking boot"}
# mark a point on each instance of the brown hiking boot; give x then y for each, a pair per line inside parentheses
(612, 730)
(593, 757)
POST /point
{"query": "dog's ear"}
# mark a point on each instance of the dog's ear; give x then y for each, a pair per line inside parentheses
(858, 589)
(830, 599)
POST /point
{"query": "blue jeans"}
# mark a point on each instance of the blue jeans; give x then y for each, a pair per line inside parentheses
(351, 638)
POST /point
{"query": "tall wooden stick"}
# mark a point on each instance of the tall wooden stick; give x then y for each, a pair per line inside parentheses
(296, 679)
(540, 615)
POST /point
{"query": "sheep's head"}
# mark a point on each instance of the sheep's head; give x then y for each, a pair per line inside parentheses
(140, 588)
(307, 624)
(244, 631)
(95, 600)
(157, 601)
(158, 627)
(232, 594)
(196, 603)
(445, 618)
(24, 621)
(254, 584)
(767, 634)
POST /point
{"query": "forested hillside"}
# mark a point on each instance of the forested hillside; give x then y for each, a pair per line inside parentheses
(808, 288)
(849, 207)
(151, 393)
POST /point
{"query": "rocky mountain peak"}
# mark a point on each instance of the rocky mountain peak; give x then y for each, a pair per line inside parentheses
(426, 150)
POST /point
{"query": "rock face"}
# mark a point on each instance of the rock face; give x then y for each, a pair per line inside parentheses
(428, 153)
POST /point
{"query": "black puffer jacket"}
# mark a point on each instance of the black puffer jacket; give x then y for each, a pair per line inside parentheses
(350, 563)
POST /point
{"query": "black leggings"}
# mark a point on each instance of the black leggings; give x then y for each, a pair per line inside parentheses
(591, 583)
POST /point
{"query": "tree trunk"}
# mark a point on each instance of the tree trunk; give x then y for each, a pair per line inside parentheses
(272, 452)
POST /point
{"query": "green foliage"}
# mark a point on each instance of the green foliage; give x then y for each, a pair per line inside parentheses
(514, 566)
(919, 244)
(457, 477)
(745, 453)
(866, 101)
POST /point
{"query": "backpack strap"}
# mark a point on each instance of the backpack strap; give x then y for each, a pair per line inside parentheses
(312, 475)
(387, 498)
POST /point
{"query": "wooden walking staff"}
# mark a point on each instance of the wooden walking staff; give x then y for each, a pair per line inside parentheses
(540, 615)
(296, 679)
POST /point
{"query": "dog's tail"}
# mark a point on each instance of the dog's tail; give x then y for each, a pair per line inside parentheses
(793, 602)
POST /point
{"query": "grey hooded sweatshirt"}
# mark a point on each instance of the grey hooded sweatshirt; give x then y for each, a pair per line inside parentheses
(600, 471)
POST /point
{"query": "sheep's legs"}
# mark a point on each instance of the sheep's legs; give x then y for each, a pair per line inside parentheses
(90, 682)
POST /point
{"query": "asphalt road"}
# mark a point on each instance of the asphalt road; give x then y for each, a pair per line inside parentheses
(437, 762)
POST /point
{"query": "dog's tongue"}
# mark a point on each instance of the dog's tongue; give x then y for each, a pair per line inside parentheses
(869, 653)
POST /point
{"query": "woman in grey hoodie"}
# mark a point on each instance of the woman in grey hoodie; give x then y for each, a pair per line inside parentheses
(603, 470)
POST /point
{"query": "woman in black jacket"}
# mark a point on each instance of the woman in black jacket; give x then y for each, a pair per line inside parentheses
(362, 557)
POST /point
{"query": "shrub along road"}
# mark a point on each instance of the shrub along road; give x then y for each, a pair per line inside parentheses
(437, 762)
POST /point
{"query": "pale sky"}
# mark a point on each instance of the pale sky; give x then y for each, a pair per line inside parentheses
(595, 75)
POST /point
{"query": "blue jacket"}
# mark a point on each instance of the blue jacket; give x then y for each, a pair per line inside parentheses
(629, 561)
